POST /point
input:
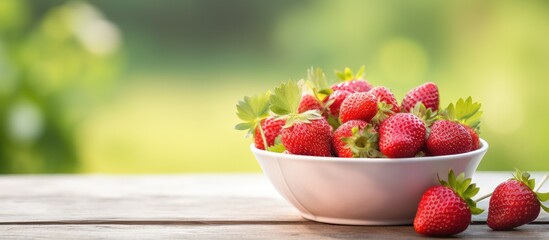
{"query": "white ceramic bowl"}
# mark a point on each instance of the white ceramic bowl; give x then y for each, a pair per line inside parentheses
(360, 191)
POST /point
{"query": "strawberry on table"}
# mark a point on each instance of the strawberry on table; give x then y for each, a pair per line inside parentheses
(446, 210)
(356, 138)
(306, 133)
(426, 94)
(358, 106)
(401, 135)
(515, 203)
(351, 82)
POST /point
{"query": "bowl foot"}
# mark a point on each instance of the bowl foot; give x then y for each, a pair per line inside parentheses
(358, 222)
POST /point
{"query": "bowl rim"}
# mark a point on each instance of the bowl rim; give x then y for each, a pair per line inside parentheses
(483, 148)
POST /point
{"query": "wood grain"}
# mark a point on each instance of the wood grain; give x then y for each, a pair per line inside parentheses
(307, 230)
(187, 197)
(237, 206)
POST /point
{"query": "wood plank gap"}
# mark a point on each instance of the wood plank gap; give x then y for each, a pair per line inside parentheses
(158, 222)
(199, 222)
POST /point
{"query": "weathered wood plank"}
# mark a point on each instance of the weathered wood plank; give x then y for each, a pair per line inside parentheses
(187, 207)
(308, 230)
(186, 197)
(242, 197)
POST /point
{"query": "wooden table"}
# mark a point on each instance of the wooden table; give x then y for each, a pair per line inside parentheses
(243, 206)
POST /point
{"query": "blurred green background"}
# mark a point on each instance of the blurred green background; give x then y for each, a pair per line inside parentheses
(151, 86)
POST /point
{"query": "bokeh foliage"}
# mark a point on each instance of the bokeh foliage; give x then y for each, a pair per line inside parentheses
(187, 63)
(52, 73)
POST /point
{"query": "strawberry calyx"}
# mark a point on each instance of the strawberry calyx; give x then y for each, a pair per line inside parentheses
(333, 121)
(277, 146)
(347, 74)
(364, 142)
(462, 187)
(252, 110)
(524, 177)
(384, 110)
(316, 80)
(284, 104)
(465, 112)
(427, 115)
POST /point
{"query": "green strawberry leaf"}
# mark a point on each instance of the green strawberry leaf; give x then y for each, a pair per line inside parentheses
(244, 126)
(476, 211)
(473, 206)
(384, 111)
(340, 75)
(277, 147)
(462, 186)
(442, 182)
(452, 179)
(318, 82)
(465, 112)
(251, 110)
(546, 209)
(465, 185)
(460, 179)
(286, 98)
(285, 103)
(360, 72)
(531, 183)
(524, 177)
(333, 121)
(347, 74)
(542, 196)
(364, 142)
(471, 191)
(427, 115)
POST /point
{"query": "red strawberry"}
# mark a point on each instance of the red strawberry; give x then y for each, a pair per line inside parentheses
(426, 94)
(313, 138)
(271, 128)
(385, 95)
(334, 100)
(254, 113)
(475, 144)
(514, 203)
(447, 138)
(401, 135)
(358, 106)
(352, 82)
(306, 133)
(356, 138)
(353, 86)
(386, 103)
(467, 113)
(446, 210)
(309, 102)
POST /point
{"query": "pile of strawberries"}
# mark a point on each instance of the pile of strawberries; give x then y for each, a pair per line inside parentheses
(352, 118)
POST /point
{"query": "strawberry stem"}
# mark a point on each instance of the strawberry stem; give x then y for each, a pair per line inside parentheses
(543, 180)
(266, 146)
(483, 197)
